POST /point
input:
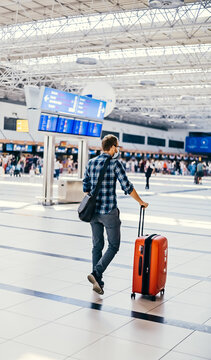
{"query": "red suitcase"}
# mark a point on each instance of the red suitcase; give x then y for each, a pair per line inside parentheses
(150, 263)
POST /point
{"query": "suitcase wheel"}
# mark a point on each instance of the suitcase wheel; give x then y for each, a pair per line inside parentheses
(162, 292)
(133, 296)
(153, 298)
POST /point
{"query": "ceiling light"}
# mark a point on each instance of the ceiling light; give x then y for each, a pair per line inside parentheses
(165, 4)
(147, 83)
(187, 97)
(86, 61)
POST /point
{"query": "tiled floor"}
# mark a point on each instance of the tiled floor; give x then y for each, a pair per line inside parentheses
(48, 310)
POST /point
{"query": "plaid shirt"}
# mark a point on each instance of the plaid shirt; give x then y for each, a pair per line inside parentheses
(106, 198)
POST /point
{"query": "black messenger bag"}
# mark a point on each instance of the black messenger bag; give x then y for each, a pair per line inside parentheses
(86, 208)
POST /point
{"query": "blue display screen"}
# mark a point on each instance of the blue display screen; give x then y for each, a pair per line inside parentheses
(65, 125)
(60, 149)
(94, 129)
(9, 147)
(48, 123)
(80, 127)
(91, 108)
(26, 148)
(40, 148)
(58, 101)
(198, 144)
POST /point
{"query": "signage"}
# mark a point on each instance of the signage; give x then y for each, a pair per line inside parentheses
(40, 148)
(198, 144)
(22, 125)
(9, 147)
(62, 102)
(25, 148)
(60, 149)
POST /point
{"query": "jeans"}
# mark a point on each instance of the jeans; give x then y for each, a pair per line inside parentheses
(112, 223)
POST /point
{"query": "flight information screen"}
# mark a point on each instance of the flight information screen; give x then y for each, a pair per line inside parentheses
(48, 123)
(94, 129)
(65, 125)
(80, 127)
(198, 144)
(62, 102)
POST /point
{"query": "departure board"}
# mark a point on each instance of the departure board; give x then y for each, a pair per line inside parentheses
(94, 129)
(63, 125)
(80, 127)
(62, 102)
(48, 123)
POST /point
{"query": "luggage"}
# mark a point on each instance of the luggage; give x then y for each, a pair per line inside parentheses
(150, 263)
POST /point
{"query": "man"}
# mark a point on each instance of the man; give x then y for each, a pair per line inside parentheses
(150, 169)
(106, 213)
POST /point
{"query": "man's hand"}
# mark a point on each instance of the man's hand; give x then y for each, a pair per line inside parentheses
(144, 204)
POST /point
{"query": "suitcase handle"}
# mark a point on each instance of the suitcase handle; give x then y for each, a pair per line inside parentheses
(141, 223)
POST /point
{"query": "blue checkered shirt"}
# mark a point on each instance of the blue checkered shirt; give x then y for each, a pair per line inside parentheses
(106, 198)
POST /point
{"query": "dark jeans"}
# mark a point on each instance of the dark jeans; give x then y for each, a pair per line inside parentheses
(147, 182)
(111, 223)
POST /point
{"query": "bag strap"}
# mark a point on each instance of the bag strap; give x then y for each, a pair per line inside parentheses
(101, 176)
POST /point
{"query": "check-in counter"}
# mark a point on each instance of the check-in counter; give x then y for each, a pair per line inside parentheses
(70, 191)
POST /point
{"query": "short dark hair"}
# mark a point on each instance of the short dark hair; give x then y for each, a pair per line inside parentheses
(108, 141)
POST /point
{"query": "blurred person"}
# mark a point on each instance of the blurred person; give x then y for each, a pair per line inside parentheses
(56, 168)
(149, 170)
(106, 211)
(199, 173)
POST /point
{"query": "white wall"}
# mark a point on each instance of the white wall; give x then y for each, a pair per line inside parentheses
(9, 110)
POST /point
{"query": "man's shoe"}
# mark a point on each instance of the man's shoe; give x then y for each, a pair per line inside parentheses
(97, 287)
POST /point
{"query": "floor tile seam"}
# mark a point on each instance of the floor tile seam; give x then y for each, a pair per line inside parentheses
(36, 347)
(140, 343)
(123, 226)
(106, 308)
(173, 297)
(113, 264)
(86, 346)
(180, 342)
(89, 237)
(79, 221)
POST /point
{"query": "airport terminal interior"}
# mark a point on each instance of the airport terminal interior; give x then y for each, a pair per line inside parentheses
(72, 72)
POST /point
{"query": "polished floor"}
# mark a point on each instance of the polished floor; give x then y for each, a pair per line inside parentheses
(48, 310)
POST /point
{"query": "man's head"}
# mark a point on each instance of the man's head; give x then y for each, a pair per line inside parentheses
(110, 144)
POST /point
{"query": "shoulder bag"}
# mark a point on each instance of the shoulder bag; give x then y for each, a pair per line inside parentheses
(86, 208)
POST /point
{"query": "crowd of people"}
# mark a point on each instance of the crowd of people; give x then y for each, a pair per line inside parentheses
(33, 165)
(171, 167)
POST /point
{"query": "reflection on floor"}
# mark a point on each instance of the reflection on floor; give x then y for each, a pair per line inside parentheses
(48, 310)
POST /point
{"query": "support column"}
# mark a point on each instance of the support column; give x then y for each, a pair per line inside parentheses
(48, 169)
(82, 157)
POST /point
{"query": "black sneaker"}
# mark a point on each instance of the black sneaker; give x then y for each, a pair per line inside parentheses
(97, 285)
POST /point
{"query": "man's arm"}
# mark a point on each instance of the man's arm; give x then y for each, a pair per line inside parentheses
(126, 185)
(87, 181)
(136, 197)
